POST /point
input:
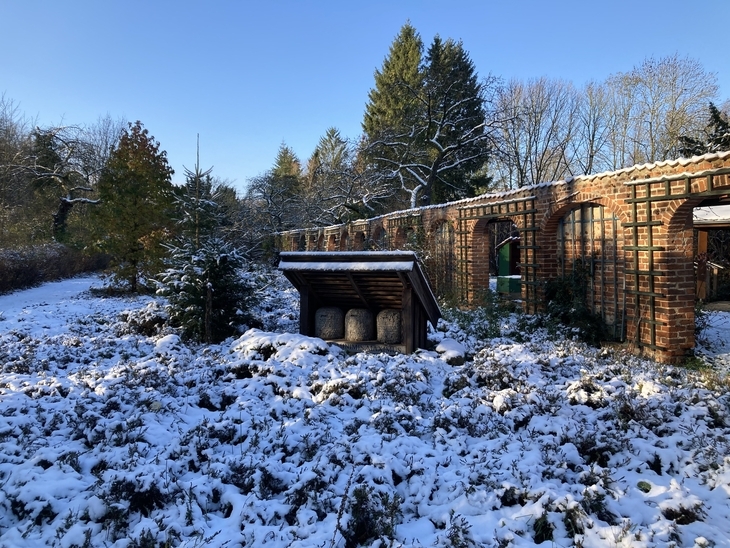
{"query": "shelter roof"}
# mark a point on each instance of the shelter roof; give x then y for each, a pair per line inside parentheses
(366, 279)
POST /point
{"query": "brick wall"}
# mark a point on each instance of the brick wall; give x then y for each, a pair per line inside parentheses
(653, 278)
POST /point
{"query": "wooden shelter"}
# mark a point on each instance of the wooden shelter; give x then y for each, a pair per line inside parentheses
(376, 281)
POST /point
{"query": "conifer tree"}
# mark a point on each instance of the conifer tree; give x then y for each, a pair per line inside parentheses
(276, 194)
(425, 122)
(394, 102)
(207, 289)
(205, 284)
(716, 138)
(198, 212)
(135, 213)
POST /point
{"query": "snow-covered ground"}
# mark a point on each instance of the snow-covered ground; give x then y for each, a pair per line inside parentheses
(112, 434)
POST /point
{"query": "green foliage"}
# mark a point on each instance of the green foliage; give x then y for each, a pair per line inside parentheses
(393, 102)
(197, 210)
(135, 214)
(543, 529)
(566, 304)
(459, 532)
(207, 292)
(373, 515)
(483, 320)
(702, 319)
(425, 121)
(716, 138)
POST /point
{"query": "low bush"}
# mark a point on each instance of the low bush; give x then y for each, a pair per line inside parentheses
(25, 267)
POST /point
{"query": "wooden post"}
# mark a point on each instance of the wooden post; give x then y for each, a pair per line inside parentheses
(408, 319)
(306, 312)
(702, 271)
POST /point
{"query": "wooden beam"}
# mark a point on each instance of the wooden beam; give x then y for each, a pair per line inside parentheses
(357, 290)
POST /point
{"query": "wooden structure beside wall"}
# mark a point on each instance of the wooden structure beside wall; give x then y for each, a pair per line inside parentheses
(375, 281)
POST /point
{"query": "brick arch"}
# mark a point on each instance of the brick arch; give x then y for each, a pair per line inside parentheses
(401, 236)
(677, 214)
(555, 212)
(480, 249)
(379, 237)
(679, 284)
(344, 240)
(548, 226)
(358, 243)
(332, 242)
(588, 239)
(441, 262)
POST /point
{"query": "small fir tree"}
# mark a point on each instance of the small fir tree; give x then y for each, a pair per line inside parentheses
(207, 291)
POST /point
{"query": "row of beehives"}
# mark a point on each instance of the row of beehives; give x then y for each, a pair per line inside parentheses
(359, 324)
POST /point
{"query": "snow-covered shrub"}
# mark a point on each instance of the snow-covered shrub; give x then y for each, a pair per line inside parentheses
(25, 267)
(484, 320)
(458, 534)
(372, 515)
(207, 290)
(149, 320)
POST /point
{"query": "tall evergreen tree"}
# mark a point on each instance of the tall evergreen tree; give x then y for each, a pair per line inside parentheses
(458, 142)
(425, 123)
(277, 193)
(198, 212)
(206, 288)
(395, 100)
(135, 214)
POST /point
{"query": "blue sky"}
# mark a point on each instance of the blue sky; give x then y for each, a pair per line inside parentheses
(248, 76)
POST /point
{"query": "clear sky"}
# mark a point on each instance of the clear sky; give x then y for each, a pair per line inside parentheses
(248, 76)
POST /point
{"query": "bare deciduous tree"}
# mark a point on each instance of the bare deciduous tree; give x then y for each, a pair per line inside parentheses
(539, 120)
(339, 184)
(594, 123)
(658, 102)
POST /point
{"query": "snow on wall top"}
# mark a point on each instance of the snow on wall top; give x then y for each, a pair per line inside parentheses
(338, 255)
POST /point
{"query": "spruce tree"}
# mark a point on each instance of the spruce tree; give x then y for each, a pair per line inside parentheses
(395, 102)
(207, 289)
(425, 123)
(205, 282)
(197, 210)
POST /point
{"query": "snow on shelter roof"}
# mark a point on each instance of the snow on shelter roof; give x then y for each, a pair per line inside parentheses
(356, 261)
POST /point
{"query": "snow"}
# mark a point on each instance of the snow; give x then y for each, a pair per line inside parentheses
(112, 435)
(349, 266)
(451, 349)
(711, 215)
